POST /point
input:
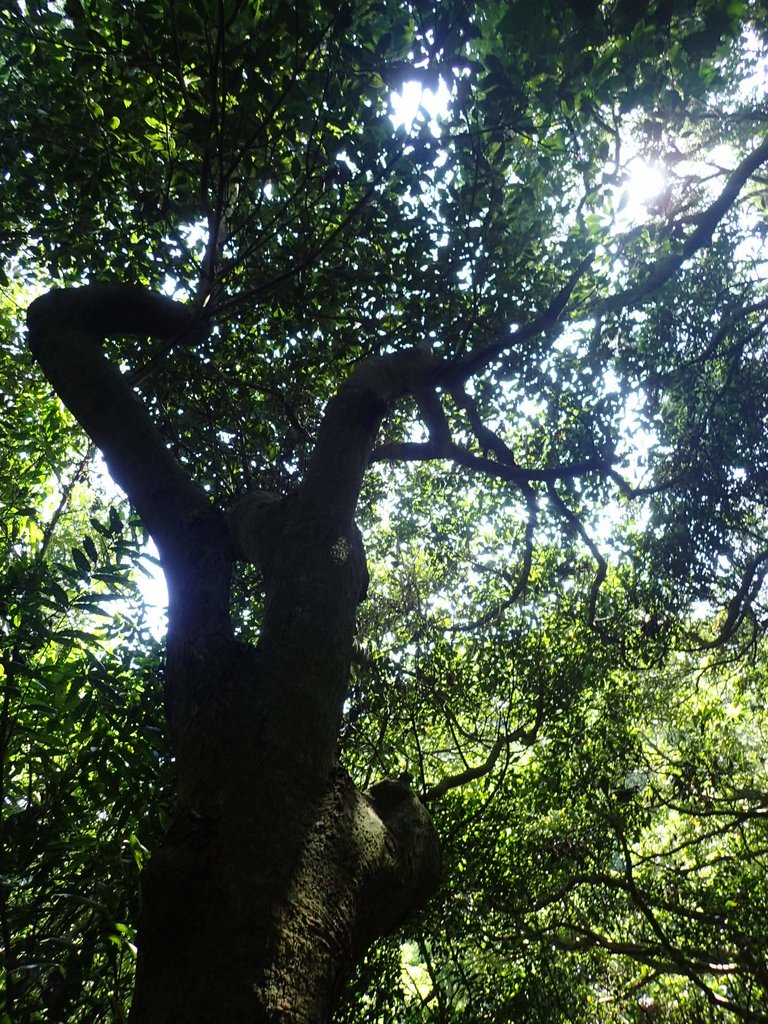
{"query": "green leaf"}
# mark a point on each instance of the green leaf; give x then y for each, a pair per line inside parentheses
(59, 594)
(90, 549)
(81, 562)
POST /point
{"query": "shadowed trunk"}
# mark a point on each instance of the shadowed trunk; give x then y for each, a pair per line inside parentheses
(276, 874)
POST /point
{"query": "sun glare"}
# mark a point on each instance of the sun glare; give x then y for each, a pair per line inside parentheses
(644, 185)
(415, 103)
(646, 181)
(151, 580)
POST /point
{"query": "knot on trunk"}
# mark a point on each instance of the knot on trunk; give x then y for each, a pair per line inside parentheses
(410, 865)
(369, 862)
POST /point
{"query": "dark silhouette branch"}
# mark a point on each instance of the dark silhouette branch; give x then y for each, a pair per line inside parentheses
(416, 451)
(502, 743)
(347, 434)
(66, 331)
(602, 566)
(741, 602)
(455, 374)
(468, 775)
(435, 420)
(659, 273)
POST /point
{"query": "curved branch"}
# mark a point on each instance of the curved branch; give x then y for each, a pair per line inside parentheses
(741, 601)
(348, 430)
(661, 271)
(102, 310)
(657, 275)
(66, 330)
(503, 742)
(457, 373)
(602, 566)
(469, 774)
(417, 451)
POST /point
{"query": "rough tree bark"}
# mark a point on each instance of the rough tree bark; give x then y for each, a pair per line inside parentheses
(276, 873)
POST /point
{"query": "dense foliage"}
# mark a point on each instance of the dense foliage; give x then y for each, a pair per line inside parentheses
(563, 640)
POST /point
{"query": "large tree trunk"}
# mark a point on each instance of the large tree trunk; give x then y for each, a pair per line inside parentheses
(276, 874)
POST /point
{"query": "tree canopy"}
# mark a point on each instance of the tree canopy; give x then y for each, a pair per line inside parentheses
(547, 306)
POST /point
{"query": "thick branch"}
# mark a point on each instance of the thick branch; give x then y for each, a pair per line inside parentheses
(66, 329)
(103, 310)
(315, 565)
(255, 520)
(350, 424)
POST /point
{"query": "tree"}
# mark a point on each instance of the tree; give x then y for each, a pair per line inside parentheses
(229, 230)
